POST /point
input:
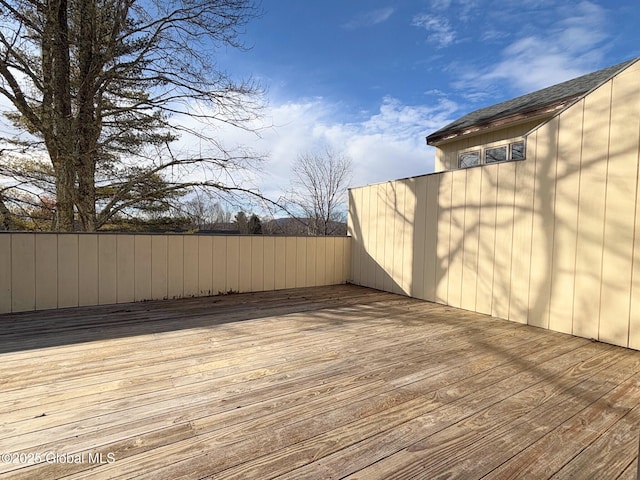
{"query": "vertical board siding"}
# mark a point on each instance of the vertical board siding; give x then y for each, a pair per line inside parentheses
(159, 267)
(418, 238)
(619, 213)
(190, 267)
(521, 248)
(269, 246)
(5, 274)
(245, 267)
(88, 293)
(23, 271)
(431, 238)
(566, 219)
(634, 308)
(501, 290)
(142, 263)
(470, 248)
(175, 266)
(257, 265)
(219, 265)
(443, 230)
(67, 271)
(379, 226)
(46, 265)
(205, 266)
(56, 270)
(591, 208)
(301, 264)
(552, 240)
(107, 269)
(354, 226)
(125, 268)
(543, 232)
(487, 239)
(456, 237)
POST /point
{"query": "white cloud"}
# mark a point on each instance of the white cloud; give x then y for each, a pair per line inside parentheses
(386, 145)
(439, 30)
(370, 18)
(565, 49)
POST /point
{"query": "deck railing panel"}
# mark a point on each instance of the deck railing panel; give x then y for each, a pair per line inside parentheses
(56, 270)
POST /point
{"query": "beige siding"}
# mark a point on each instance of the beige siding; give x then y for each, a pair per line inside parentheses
(23, 272)
(257, 264)
(280, 254)
(159, 267)
(175, 266)
(142, 262)
(88, 270)
(566, 220)
(471, 214)
(591, 207)
(354, 227)
(219, 265)
(431, 237)
(47, 270)
(521, 249)
(270, 263)
(501, 290)
(301, 264)
(107, 269)
(125, 263)
(487, 239)
(543, 223)
(245, 270)
(553, 240)
(190, 270)
(5, 274)
(67, 271)
(443, 229)
(290, 264)
(622, 179)
(205, 265)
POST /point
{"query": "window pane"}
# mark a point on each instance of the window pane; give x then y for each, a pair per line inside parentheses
(469, 159)
(495, 154)
(517, 151)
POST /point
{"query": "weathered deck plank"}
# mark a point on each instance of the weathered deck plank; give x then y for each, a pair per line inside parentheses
(328, 382)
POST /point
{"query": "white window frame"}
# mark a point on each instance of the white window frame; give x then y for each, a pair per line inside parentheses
(482, 152)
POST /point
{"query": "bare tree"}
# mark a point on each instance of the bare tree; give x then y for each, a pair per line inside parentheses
(95, 85)
(320, 183)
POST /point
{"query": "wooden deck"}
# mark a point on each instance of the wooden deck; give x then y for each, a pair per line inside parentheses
(322, 383)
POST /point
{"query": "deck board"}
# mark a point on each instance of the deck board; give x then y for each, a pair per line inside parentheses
(326, 382)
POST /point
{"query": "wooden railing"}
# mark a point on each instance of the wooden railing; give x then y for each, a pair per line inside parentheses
(58, 270)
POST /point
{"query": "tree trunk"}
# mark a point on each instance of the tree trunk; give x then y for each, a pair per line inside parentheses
(87, 129)
(57, 111)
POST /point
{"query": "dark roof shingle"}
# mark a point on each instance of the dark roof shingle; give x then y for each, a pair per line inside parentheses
(530, 102)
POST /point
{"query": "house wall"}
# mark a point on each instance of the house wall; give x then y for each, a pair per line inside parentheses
(447, 153)
(56, 270)
(552, 241)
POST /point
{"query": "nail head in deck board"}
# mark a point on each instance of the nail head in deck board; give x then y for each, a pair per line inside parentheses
(321, 375)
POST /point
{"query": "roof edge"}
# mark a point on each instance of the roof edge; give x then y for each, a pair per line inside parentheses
(554, 108)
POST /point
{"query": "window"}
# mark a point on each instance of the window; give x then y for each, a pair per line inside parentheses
(498, 154)
(469, 159)
(517, 151)
(485, 156)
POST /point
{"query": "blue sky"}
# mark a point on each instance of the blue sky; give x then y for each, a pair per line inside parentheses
(372, 78)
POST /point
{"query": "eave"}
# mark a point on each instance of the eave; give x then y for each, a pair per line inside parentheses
(543, 113)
